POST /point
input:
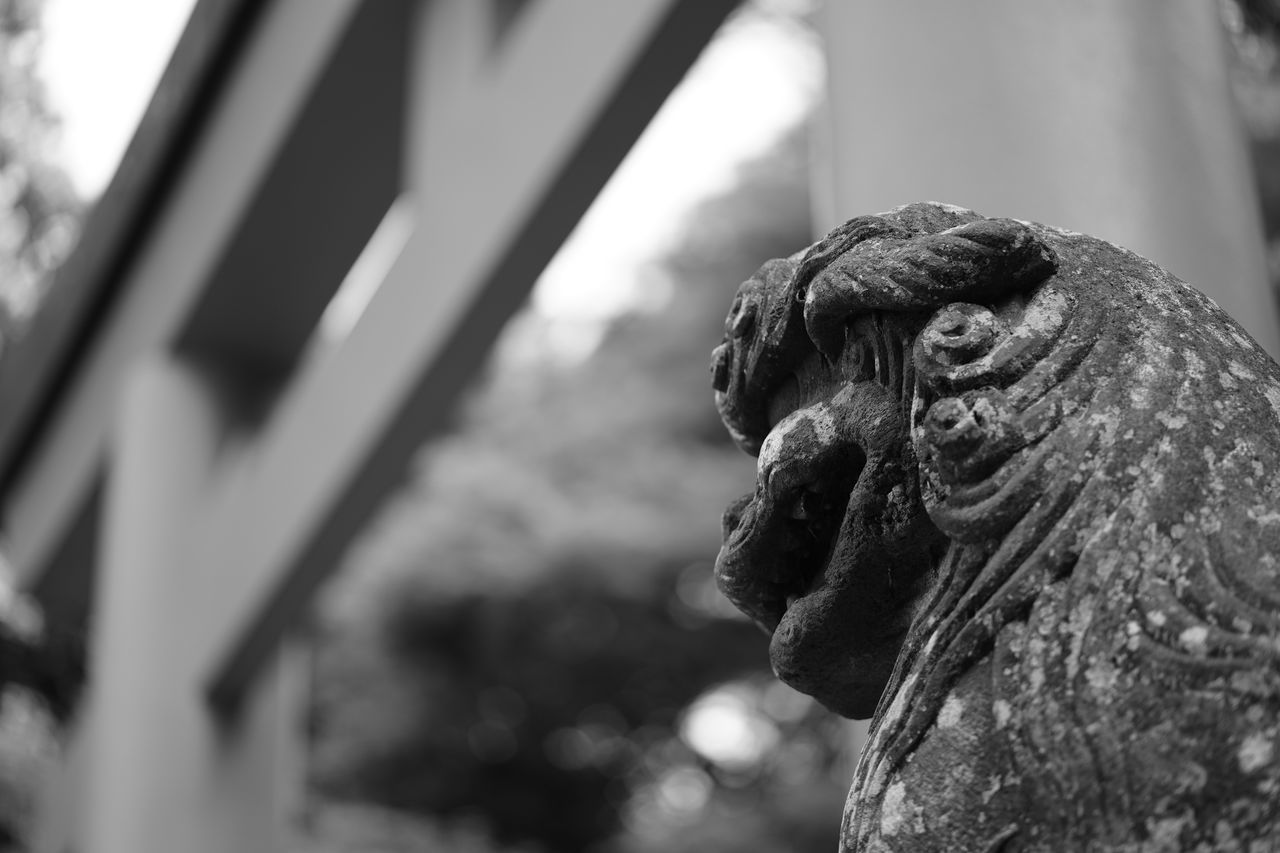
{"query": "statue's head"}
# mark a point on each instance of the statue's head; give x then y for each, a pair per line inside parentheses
(820, 376)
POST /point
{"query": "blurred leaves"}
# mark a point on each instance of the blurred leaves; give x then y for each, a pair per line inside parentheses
(44, 661)
(40, 677)
(39, 211)
(349, 828)
(528, 710)
(28, 745)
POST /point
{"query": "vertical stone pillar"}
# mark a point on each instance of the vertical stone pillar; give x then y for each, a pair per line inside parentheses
(1103, 117)
(163, 774)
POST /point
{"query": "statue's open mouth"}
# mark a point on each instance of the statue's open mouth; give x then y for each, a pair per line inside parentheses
(779, 540)
(829, 552)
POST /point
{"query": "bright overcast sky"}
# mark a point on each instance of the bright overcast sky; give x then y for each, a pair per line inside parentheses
(101, 61)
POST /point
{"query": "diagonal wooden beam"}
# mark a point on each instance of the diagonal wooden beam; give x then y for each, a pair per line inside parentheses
(170, 263)
(503, 167)
(37, 367)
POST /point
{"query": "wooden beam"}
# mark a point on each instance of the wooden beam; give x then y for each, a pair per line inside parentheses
(276, 70)
(502, 168)
(323, 195)
(35, 370)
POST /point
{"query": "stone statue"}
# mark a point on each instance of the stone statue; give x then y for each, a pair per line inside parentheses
(1017, 500)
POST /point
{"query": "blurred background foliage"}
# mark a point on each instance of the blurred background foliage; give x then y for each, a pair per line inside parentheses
(531, 649)
(526, 652)
(39, 210)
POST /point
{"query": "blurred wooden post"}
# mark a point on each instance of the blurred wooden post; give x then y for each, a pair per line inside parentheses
(1108, 118)
(162, 773)
(162, 447)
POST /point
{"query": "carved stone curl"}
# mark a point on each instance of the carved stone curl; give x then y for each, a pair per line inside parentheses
(1018, 499)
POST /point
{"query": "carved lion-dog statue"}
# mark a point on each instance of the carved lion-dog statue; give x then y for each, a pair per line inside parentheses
(1018, 501)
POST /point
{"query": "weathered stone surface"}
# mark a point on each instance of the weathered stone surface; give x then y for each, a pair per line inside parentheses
(1018, 496)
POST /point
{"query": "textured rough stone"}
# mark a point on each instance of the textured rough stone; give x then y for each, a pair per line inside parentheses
(1018, 499)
